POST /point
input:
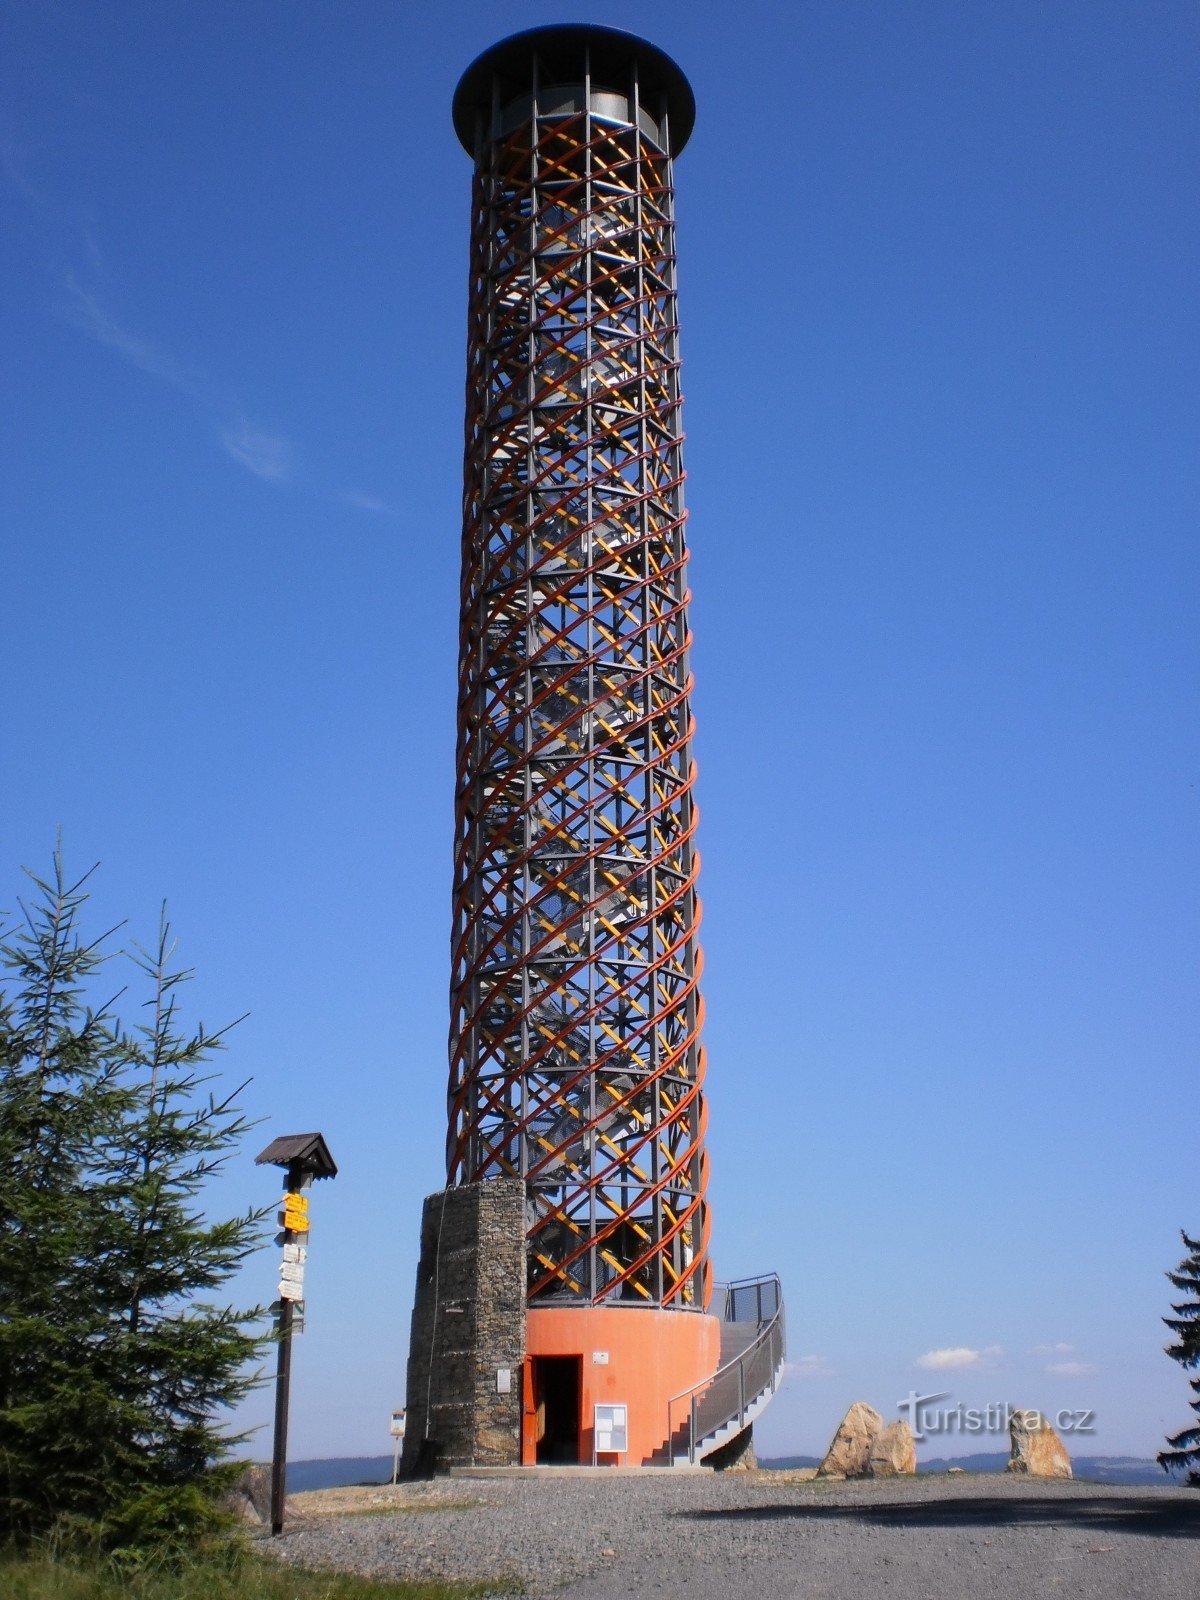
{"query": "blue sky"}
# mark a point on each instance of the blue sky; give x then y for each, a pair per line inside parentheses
(937, 277)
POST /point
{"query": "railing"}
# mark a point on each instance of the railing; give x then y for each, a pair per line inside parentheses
(750, 1299)
(726, 1397)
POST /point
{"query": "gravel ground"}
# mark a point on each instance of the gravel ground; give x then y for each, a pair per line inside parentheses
(712, 1536)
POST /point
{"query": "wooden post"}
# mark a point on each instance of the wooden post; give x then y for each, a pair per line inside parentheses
(283, 1386)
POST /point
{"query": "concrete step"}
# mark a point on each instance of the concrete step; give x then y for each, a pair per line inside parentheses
(733, 1426)
(736, 1337)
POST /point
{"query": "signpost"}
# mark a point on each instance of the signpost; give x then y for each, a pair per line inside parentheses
(303, 1156)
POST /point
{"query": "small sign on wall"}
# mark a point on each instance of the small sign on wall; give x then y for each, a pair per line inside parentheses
(503, 1380)
(599, 1358)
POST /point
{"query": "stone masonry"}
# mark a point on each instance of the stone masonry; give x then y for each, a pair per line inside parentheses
(468, 1329)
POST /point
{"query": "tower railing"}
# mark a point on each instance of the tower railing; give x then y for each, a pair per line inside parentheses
(711, 1413)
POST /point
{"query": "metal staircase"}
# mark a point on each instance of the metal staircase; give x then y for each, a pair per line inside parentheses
(710, 1414)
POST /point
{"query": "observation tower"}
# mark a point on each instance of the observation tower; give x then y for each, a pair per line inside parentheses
(565, 1306)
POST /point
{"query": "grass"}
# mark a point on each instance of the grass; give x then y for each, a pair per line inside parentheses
(223, 1577)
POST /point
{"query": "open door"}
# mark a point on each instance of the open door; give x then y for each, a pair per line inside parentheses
(557, 1398)
(529, 1416)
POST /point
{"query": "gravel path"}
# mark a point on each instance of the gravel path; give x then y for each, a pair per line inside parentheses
(711, 1536)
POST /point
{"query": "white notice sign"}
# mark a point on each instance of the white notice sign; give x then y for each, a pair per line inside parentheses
(296, 1252)
(612, 1430)
(290, 1291)
(291, 1271)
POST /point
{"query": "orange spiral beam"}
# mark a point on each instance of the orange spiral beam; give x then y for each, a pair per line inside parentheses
(575, 1051)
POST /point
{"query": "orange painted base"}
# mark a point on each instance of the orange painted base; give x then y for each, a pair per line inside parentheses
(627, 1356)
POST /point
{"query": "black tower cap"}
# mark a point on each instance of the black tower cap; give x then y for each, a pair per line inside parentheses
(561, 52)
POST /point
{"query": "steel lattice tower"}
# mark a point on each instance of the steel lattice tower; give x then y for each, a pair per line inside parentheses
(576, 1061)
(564, 1310)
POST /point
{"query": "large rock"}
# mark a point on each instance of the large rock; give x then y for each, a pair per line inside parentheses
(736, 1454)
(850, 1451)
(1036, 1448)
(893, 1452)
(249, 1496)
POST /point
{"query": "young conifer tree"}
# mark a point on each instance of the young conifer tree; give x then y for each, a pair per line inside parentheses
(1185, 1324)
(182, 1358)
(116, 1362)
(62, 1100)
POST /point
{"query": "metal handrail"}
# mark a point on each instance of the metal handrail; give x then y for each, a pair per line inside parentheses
(768, 1301)
(765, 1303)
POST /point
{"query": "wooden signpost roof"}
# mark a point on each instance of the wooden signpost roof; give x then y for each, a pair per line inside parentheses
(308, 1150)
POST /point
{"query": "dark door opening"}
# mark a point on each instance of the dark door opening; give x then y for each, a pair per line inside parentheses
(557, 1381)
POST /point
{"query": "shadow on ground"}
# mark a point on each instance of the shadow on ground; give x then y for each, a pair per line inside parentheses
(1173, 1517)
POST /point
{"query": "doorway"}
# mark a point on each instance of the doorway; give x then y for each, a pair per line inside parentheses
(557, 1387)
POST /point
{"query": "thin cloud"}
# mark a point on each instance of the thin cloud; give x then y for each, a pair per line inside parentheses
(809, 1367)
(1059, 1349)
(958, 1356)
(362, 501)
(1070, 1369)
(85, 312)
(266, 455)
(14, 163)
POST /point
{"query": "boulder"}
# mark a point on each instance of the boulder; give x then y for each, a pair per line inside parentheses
(736, 1455)
(249, 1496)
(893, 1452)
(1036, 1448)
(850, 1450)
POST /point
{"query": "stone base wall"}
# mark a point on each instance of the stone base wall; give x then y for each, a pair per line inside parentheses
(468, 1329)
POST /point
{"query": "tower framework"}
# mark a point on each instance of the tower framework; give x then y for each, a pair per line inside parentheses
(575, 1055)
(563, 1308)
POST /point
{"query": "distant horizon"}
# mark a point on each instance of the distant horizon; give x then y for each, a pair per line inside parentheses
(803, 1456)
(333, 1472)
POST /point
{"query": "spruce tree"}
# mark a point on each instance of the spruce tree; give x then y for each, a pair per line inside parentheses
(61, 1101)
(179, 1359)
(1185, 1324)
(117, 1358)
